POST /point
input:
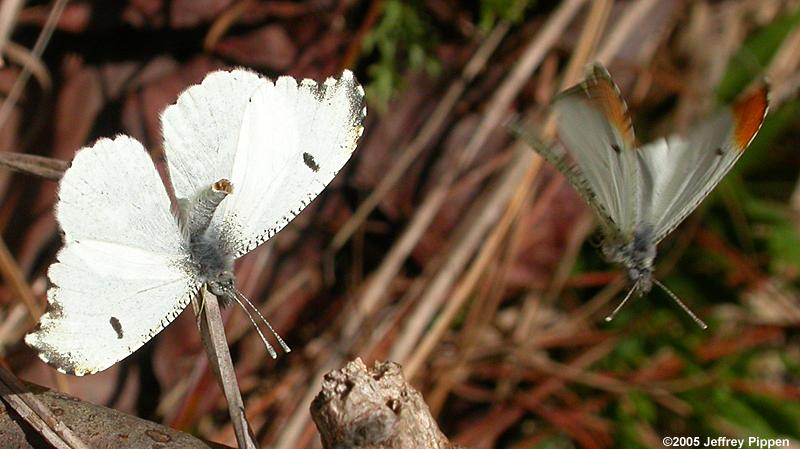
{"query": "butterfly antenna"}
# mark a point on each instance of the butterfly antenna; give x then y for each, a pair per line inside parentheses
(686, 309)
(283, 344)
(270, 349)
(621, 304)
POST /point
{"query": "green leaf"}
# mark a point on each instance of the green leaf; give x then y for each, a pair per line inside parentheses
(403, 38)
(783, 416)
(781, 236)
(511, 10)
(643, 406)
(738, 412)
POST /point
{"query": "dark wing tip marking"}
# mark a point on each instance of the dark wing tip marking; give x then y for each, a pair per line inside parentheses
(748, 115)
(116, 325)
(63, 363)
(616, 148)
(310, 162)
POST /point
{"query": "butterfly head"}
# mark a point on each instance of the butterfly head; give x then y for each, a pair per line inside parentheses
(220, 284)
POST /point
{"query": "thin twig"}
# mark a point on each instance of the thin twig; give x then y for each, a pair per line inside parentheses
(498, 106)
(581, 228)
(427, 134)
(32, 164)
(583, 361)
(570, 373)
(355, 48)
(223, 23)
(8, 14)
(623, 28)
(492, 207)
(39, 416)
(24, 57)
(212, 331)
(13, 275)
(435, 295)
(38, 49)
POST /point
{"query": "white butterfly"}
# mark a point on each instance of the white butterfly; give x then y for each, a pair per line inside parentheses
(245, 156)
(640, 194)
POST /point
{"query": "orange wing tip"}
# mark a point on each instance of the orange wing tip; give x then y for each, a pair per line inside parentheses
(605, 96)
(748, 116)
(598, 91)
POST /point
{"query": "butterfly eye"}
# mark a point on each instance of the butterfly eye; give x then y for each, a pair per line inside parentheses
(225, 278)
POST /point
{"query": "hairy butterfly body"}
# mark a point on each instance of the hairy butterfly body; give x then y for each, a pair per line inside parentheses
(641, 193)
(245, 156)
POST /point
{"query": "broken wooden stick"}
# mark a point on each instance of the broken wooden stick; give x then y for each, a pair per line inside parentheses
(375, 409)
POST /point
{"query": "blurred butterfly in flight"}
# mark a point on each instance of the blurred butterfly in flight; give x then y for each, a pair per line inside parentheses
(245, 156)
(641, 193)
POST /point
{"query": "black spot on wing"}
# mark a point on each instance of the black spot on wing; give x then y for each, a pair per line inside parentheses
(616, 148)
(719, 151)
(310, 162)
(115, 324)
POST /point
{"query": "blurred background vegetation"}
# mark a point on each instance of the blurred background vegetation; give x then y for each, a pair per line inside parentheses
(444, 244)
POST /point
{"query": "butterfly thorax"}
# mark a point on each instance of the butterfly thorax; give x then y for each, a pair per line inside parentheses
(212, 263)
(637, 255)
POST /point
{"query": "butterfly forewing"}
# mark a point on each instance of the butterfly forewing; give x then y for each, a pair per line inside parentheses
(293, 140)
(122, 275)
(279, 143)
(595, 129)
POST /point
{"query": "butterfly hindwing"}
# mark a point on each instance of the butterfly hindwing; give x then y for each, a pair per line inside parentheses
(121, 276)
